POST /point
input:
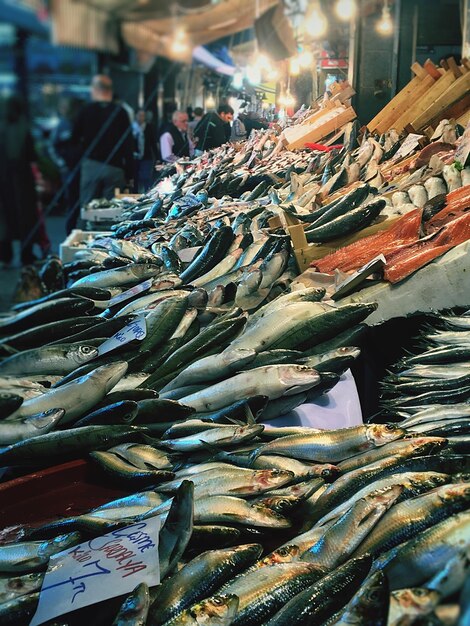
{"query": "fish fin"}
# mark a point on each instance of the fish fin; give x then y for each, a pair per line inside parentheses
(254, 455)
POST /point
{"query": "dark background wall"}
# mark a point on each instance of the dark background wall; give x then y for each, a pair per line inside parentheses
(423, 29)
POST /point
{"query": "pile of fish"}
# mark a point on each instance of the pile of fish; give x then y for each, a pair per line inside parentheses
(365, 525)
(164, 353)
(431, 389)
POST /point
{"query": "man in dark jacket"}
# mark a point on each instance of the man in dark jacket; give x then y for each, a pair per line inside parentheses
(103, 131)
(214, 128)
(175, 142)
(145, 146)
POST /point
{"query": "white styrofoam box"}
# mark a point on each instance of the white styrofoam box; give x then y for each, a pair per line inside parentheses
(109, 214)
(442, 284)
(75, 242)
(339, 408)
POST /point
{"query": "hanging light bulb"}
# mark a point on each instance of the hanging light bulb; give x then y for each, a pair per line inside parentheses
(305, 58)
(346, 9)
(294, 66)
(316, 23)
(210, 102)
(272, 73)
(385, 25)
(289, 99)
(253, 74)
(179, 44)
(237, 80)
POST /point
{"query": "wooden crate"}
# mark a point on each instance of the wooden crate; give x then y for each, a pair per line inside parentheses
(391, 111)
(456, 91)
(300, 135)
(123, 194)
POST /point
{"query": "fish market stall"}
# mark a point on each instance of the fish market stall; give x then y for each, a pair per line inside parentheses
(158, 367)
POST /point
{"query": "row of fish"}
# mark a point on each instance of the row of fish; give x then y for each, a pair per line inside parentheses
(271, 533)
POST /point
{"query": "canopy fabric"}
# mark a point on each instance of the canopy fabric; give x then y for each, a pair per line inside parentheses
(209, 24)
(149, 25)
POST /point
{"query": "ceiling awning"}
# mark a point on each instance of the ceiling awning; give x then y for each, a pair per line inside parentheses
(209, 24)
(150, 25)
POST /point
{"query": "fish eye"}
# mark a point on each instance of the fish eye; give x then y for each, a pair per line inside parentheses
(217, 600)
(87, 349)
(390, 427)
(283, 551)
(420, 592)
(276, 472)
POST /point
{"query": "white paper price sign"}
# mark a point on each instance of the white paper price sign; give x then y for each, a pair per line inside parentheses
(137, 329)
(99, 569)
(133, 291)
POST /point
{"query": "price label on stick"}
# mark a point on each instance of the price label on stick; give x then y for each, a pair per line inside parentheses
(137, 329)
(133, 291)
(99, 569)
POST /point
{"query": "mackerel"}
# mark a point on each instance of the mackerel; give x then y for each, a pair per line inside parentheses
(78, 396)
(127, 276)
(58, 359)
(273, 381)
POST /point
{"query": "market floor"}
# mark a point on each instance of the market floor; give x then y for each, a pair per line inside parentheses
(55, 225)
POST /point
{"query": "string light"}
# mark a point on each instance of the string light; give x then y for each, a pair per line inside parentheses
(385, 25)
(316, 23)
(346, 9)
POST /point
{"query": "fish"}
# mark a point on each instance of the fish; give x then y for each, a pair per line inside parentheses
(176, 531)
(341, 539)
(407, 604)
(217, 610)
(24, 428)
(415, 561)
(12, 587)
(77, 396)
(33, 556)
(370, 605)
(57, 359)
(68, 443)
(332, 446)
(219, 436)
(233, 481)
(273, 380)
(263, 591)
(134, 609)
(319, 601)
(126, 276)
(198, 579)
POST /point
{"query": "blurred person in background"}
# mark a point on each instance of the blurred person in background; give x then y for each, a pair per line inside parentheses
(103, 132)
(238, 128)
(145, 151)
(66, 155)
(19, 216)
(252, 122)
(198, 114)
(214, 128)
(175, 142)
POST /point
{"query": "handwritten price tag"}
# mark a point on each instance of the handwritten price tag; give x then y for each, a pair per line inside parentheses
(408, 146)
(102, 568)
(133, 291)
(137, 329)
